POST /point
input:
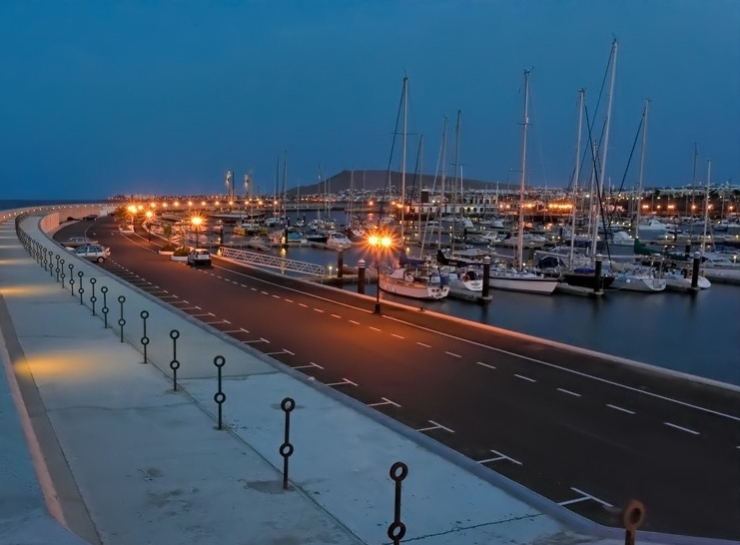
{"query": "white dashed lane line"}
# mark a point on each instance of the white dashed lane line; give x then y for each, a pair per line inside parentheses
(621, 409)
(354, 322)
(303, 305)
(425, 345)
(574, 394)
(374, 328)
(319, 310)
(288, 300)
(485, 365)
(397, 336)
(453, 354)
(525, 378)
(677, 427)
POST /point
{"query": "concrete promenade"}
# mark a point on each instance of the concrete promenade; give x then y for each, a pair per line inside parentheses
(127, 460)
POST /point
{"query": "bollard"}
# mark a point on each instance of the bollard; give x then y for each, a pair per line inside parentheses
(57, 270)
(286, 449)
(219, 397)
(340, 263)
(687, 250)
(144, 340)
(174, 364)
(633, 516)
(695, 272)
(93, 299)
(51, 265)
(598, 284)
(361, 277)
(486, 276)
(80, 290)
(121, 320)
(72, 279)
(63, 276)
(104, 291)
(397, 529)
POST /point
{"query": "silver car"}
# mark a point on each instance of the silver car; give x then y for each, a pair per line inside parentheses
(93, 252)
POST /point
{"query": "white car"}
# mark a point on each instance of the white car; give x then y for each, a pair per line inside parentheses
(199, 256)
(93, 252)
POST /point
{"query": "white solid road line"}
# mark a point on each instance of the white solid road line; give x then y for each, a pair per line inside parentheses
(385, 401)
(574, 394)
(436, 426)
(524, 378)
(616, 408)
(425, 345)
(571, 371)
(498, 458)
(485, 365)
(584, 497)
(453, 354)
(676, 426)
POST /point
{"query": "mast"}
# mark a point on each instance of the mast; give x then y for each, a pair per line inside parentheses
(277, 187)
(605, 145)
(320, 188)
(351, 194)
(642, 165)
(444, 171)
(576, 173)
(403, 154)
(522, 179)
(706, 209)
(693, 185)
(455, 186)
(285, 185)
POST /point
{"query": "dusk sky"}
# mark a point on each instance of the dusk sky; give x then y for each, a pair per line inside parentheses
(102, 98)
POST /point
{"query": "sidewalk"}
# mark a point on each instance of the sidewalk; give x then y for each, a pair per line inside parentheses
(150, 466)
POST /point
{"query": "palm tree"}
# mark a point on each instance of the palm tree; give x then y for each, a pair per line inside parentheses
(121, 214)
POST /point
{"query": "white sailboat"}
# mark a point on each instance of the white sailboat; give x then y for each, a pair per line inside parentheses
(518, 279)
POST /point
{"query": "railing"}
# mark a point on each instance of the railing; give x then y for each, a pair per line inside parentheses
(272, 262)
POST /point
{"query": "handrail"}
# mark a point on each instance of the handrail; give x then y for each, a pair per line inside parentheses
(271, 261)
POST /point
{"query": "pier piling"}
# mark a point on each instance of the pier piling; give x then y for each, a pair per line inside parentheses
(340, 263)
(486, 276)
(598, 283)
(695, 272)
(361, 277)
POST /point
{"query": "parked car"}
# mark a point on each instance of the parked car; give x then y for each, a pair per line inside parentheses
(93, 252)
(199, 256)
(90, 217)
(76, 242)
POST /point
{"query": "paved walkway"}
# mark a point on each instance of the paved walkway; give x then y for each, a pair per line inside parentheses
(136, 462)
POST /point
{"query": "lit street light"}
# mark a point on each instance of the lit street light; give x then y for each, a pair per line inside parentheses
(196, 221)
(378, 243)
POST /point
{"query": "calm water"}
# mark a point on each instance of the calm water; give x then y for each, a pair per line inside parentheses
(697, 334)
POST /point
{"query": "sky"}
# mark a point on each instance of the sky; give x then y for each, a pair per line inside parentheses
(161, 97)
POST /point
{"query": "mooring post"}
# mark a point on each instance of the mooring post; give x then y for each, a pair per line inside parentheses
(486, 276)
(598, 284)
(286, 449)
(340, 263)
(361, 277)
(397, 529)
(695, 272)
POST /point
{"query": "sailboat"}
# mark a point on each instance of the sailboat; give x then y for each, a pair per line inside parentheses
(519, 279)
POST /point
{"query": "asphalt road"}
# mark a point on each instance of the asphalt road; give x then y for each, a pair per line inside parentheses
(584, 432)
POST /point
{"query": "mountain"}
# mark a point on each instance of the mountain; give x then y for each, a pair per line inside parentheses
(375, 180)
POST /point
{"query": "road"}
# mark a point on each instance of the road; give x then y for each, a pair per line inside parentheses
(585, 432)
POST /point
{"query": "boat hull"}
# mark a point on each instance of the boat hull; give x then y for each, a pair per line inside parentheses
(412, 290)
(587, 280)
(642, 284)
(684, 284)
(543, 286)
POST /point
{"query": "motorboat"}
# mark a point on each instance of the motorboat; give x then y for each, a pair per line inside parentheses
(414, 281)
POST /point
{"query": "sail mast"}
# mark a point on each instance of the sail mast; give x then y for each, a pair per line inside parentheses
(455, 185)
(576, 173)
(522, 179)
(706, 209)
(642, 165)
(403, 154)
(284, 206)
(605, 145)
(443, 198)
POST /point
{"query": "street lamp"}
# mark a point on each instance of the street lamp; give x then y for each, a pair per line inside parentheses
(149, 225)
(378, 243)
(196, 221)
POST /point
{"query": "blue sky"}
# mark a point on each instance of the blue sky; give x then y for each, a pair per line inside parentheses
(99, 98)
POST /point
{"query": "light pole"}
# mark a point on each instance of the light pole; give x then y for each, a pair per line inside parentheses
(149, 225)
(379, 243)
(195, 221)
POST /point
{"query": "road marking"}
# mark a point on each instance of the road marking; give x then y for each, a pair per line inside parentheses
(234, 282)
(498, 458)
(336, 316)
(283, 351)
(571, 371)
(374, 328)
(243, 285)
(265, 293)
(168, 296)
(385, 401)
(453, 354)
(319, 310)
(568, 392)
(616, 408)
(397, 336)
(425, 345)
(312, 364)
(344, 382)
(189, 308)
(436, 426)
(288, 352)
(276, 296)
(524, 378)
(354, 322)
(288, 300)
(302, 305)
(253, 289)
(201, 315)
(260, 340)
(240, 330)
(584, 497)
(485, 365)
(687, 430)
(218, 322)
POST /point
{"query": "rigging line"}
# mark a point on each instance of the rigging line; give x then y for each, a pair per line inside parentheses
(538, 137)
(629, 162)
(390, 159)
(596, 167)
(431, 193)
